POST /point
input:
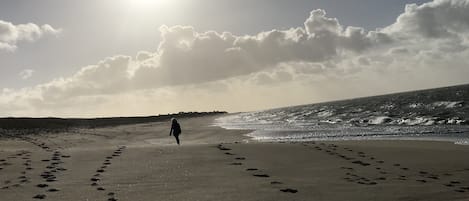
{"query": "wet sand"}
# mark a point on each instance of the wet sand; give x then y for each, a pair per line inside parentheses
(142, 163)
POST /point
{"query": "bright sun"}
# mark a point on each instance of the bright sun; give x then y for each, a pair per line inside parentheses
(143, 4)
(143, 7)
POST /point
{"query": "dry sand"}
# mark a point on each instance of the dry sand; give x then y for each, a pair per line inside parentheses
(142, 163)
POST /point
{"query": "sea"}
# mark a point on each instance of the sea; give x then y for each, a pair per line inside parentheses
(440, 114)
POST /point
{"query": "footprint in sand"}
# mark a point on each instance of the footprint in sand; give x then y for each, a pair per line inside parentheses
(51, 180)
(39, 196)
(236, 163)
(402, 177)
(275, 182)
(371, 183)
(347, 168)
(221, 147)
(26, 180)
(261, 175)
(434, 177)
(289, 190)
(252, 169)
(361, 163)
(381, 178)
(53, 190)
(111, 196)
(240, 158)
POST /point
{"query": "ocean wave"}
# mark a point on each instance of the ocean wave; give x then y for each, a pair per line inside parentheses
(448, 104)
(437, 113)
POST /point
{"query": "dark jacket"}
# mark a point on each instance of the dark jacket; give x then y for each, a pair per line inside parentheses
(176, 128)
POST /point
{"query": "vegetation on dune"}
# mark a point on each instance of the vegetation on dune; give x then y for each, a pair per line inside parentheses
(50, 124)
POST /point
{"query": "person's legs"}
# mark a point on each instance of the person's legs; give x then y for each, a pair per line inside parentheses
(177, 138)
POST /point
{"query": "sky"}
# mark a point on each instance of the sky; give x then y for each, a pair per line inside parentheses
(144, 57)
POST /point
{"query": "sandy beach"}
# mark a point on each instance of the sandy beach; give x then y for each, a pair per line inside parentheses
(142, 163)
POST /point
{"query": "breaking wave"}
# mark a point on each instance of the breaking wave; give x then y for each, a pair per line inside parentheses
(436, 114)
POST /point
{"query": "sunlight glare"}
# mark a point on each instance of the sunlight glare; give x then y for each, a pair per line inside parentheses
(146, 4)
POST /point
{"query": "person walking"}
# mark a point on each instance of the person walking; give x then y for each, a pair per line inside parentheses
(175, 129)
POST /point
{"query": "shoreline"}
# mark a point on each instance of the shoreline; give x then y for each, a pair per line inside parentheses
(141, 162)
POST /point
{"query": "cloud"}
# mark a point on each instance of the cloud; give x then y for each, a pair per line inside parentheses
(426, 46)
(186, 56)
(437, 19)
(11, 34)
(26, 74)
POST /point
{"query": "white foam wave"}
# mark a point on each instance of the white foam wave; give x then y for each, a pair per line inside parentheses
(415, 105)
(462, 142)
(380, 120)
(448, 104)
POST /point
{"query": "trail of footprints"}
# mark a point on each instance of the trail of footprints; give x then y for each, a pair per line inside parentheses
(254, 171)
(359, 161)
(363, 162)
(53, 168)
(98, 177)
(50, 174)
(24, 158)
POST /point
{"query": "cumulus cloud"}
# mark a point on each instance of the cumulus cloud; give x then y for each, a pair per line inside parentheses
(185, 56)
(426, 46)
(26, 74)
(437, 19)
(11, 34)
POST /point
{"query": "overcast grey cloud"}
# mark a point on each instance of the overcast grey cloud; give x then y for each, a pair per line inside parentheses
(426, 46)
